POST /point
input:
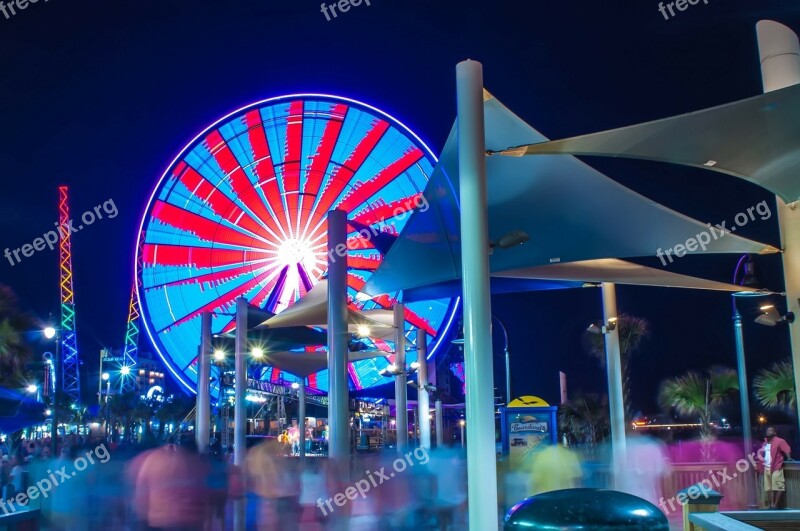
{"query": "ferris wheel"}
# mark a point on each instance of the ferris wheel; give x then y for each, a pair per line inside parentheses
(241, 212)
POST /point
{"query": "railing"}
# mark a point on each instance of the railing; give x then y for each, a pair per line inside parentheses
(723, 478)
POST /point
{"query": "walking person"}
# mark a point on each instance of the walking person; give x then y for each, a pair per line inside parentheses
(772, 454)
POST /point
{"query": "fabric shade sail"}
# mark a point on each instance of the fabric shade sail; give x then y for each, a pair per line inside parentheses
(312, 310)
(304, 364)
(757, 139)
(570, 211)
(619, 272)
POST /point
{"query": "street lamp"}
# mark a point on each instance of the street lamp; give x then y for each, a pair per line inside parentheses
(51, 332)
(748, 280)
(460, 341)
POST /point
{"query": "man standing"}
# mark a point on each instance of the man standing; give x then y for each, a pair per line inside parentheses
(773, 452)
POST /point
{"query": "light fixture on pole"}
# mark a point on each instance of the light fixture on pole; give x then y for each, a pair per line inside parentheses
(509, 240)
(603, 329)
(771, 317)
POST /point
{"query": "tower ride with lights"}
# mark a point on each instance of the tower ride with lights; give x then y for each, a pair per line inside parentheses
(70, 361)
(130, 352)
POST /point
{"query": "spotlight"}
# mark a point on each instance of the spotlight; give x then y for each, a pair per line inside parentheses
(106, 376)
(512, 239)
(771, 317)
(610, 326)
(258, 353)
(362, 331)
(219, 355)
(295, 385)
(49, 332)
(32, 388)
(125, 370)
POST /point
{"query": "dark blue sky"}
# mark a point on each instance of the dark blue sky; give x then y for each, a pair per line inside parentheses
(101, 95)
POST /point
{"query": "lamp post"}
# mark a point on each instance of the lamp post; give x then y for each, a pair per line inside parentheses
(50, 333)
(505, 353)
(460, 341)
(107, 379)
(748, 280)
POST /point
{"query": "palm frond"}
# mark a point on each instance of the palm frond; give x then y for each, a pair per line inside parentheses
(774, 386)
(687, 394)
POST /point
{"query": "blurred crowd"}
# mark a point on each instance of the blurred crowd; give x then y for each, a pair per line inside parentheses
(173, 487)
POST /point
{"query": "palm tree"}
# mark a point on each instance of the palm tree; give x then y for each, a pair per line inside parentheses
(15, 353)
(700, 396)
(632, 330)
(774, 386)
(586, 419)
(697, 395)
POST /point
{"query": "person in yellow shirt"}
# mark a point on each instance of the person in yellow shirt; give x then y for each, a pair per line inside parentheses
(555, 467)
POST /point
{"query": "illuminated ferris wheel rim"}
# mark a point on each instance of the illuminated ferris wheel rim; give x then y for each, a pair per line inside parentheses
(199, 138)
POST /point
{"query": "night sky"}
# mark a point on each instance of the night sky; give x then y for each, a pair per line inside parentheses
(101, 95)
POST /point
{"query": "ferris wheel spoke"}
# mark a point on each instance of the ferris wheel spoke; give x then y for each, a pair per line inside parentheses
(226, 299)
(343, 175)
(291, 162)
(265, 172)
(239, 181)
(361, 192)
(320, 161)
(203, 228)
(223, 206)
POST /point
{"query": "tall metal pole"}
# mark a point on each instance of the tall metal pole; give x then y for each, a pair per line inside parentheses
(439, 424)
(56, 396)
(338, 393)
(203, 403)
(779, 50)
(301, 417)
(509, 398)
(744, 399)
(481, 460)
(423, 399)
(615, 399)
(400, 379)
(239, 411)
(240, 384)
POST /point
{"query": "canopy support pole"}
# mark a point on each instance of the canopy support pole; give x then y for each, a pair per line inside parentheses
(400, 379)
(779, 51)
(616, 401)
(423, 397)
(481, 458)
(338, 439)
(203, 403)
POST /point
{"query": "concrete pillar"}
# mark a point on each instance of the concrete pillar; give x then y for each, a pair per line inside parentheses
(400, 380)
(203, 415)
(240, 389)
(338, 393)
(616, 402)
(779, 51)
(423, 399)
(481, 458)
